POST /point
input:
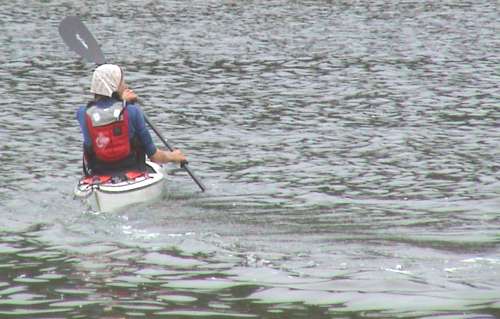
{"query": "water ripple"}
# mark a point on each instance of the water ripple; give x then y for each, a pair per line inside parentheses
(351, 152)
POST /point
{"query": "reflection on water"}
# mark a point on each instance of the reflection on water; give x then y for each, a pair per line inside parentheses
(351, 152)
(100, 280)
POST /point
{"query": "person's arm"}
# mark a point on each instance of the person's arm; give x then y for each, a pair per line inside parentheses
(80, 116)
(161, 156)
(154, 154)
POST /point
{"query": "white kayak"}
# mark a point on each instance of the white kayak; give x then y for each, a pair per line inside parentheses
(107, 194)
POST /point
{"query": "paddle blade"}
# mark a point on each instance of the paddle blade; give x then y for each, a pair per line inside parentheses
(79, 39)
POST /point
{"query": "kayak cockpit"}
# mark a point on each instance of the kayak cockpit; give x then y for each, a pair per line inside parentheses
(106, 193)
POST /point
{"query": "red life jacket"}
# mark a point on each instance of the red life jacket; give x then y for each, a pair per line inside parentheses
(108, 130)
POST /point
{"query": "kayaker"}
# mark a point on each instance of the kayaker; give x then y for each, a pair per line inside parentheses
(115, 135)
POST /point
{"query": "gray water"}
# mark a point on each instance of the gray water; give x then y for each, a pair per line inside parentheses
(351, 150)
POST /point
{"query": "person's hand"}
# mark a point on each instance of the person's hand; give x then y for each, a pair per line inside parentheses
(177, 156)
(129, 95)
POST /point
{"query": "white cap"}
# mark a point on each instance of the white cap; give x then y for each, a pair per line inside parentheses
(106, 79)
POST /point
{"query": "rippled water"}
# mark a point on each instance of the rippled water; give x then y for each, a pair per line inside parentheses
(351, 150)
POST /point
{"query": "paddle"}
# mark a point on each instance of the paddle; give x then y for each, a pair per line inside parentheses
(79, 39)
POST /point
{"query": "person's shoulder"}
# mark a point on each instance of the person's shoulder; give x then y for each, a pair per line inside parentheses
(133, 105)
(81, 110)
(134, 109)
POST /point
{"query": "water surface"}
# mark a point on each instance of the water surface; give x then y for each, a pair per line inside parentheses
(351, 151)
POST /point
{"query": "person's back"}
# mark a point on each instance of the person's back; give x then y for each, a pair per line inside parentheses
(115, 135)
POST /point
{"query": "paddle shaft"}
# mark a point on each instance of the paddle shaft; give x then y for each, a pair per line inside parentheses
(171, 149)
(79, 39)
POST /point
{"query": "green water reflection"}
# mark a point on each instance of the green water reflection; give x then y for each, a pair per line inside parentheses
(39, 281)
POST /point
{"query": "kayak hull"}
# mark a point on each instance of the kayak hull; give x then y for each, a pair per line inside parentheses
(112, 196)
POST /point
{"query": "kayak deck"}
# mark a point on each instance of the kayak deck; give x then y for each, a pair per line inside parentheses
(108, 194)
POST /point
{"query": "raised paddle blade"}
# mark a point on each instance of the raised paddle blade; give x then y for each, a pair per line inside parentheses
(79, 39)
